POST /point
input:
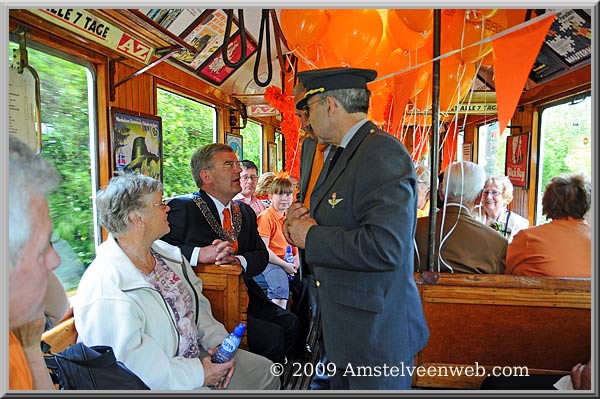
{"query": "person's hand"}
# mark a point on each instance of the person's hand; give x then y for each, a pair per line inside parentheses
(30, 335)
(217, 375)
(216, 252)
(290, 268)
(581, 376)
(296, 210)
(297, 224)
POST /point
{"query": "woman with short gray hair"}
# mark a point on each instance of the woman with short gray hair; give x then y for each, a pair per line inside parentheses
(141, 297)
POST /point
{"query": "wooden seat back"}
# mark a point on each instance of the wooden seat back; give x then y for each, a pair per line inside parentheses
(226, 291)
(62, 335)
(542, 323)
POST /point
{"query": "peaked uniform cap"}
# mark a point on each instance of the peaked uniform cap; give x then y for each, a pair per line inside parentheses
(323, 80)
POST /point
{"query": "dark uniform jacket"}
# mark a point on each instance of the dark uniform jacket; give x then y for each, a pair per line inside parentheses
(362, 254)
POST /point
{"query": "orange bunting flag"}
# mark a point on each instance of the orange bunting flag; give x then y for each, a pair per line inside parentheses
(514, 56)
(449, 145)
(404, 85)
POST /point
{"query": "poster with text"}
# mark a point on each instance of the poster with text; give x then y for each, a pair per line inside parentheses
(517, 159)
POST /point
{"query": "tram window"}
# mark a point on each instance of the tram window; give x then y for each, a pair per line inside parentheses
(565, 143)
(280, 149)
(68, 137)
(492, 148)
(187, 125)
(252, 135)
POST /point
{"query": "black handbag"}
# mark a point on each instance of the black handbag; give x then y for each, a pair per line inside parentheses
(90, 368)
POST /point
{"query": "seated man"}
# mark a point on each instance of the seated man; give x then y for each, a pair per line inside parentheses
(248, 181)
(467, 246)
(211, 228)
(31, 259)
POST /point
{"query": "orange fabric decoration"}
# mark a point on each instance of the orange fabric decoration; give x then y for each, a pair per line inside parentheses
(403, 88)
(449, 145)
(289, 127)
(228, 227)
(514, 56)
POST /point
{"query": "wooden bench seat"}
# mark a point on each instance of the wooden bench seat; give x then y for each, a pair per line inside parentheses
(226, 291)
(543, 323)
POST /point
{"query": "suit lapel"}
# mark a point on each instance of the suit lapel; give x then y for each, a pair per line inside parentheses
(323, 185)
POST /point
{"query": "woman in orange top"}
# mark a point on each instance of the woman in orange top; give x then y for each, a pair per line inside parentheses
(563, 247)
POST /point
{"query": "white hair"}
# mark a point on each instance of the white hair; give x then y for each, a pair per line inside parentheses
(28, 174)
(464, 181)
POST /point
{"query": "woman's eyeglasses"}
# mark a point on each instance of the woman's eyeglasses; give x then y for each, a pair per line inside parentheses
(163, 203)
(492, 193)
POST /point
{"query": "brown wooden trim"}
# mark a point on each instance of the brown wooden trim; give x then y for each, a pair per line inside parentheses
(572, 83)
(508, 281)
(507, 296)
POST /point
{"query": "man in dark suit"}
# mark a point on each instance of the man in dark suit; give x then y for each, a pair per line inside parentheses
(359, 239)
(468, 246)
(211, 228)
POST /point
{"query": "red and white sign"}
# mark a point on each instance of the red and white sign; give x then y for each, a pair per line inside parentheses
(261, 110)
(97, 30)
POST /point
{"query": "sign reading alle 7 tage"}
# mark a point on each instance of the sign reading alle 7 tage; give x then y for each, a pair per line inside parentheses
(98, 30)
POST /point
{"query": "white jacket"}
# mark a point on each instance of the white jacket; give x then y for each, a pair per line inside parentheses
(115, 306)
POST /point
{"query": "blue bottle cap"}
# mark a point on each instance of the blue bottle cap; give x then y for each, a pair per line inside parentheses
(239, 330)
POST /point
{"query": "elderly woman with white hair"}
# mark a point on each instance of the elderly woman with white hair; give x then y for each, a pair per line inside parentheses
(141, 297)
(493, 210)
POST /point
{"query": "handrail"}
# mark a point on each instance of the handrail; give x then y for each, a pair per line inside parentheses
(227, 35)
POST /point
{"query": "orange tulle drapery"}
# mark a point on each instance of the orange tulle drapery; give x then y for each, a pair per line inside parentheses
(290, 127)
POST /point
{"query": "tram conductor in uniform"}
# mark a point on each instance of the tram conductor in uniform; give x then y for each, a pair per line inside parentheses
(359, 239)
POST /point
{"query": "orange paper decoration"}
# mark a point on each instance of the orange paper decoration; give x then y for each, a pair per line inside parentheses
(515, 54)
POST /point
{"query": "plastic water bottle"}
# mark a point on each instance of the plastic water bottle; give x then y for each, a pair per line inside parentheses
(226, 351)
(289, 258)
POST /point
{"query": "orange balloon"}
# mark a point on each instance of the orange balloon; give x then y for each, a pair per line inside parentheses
(422, 100)
(455, 81)
(303, 27)
(405, 38)
(317, 56)
(464, 33)
(422, 79)
(379, 57)
(480, 13)
(354, 34)
(418, 20)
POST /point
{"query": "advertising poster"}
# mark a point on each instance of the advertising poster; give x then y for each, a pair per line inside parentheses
(517, 159)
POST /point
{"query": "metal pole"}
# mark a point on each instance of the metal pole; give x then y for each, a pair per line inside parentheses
(431, 276)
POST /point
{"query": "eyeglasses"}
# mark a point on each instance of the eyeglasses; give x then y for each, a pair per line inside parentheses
(228, 164)
(307, 106)
(253, 178)
(163, 203)
(493, 193)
